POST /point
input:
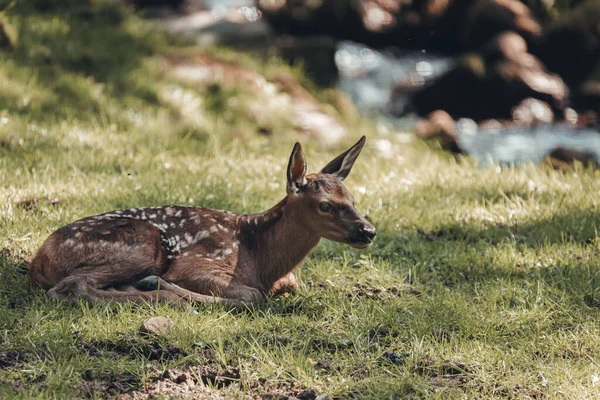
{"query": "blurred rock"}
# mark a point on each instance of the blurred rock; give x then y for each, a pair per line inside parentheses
(570, 46)
(437, 123)
(486, 18)
(156, 326)
(507, 45)
(531, 111)
(491, 85)
(446, 25)
(572, 155)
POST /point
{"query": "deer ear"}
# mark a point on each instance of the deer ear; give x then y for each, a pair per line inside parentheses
(296, 169)
(342, 164)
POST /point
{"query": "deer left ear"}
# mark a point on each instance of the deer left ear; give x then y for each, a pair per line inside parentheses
(342, 164)
(296, 169)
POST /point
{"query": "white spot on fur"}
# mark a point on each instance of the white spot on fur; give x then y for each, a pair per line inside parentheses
(186, 254)
(152, 216)
(227, 252)
(181, 223)
(169, 211)
(201, 235)
(172, 225)
(213, 229)
(189, 237)
(178, 214)
(119, 212)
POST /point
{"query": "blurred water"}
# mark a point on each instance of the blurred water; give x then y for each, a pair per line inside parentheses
(227, 4)
(369, 76)
(517, 145)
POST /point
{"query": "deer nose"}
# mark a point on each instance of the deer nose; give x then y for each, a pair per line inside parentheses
(368, 231)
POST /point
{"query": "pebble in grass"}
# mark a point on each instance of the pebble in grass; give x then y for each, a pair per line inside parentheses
(159, 326)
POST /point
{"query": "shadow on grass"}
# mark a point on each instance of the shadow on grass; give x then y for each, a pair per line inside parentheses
(64, 46)
(557, 251)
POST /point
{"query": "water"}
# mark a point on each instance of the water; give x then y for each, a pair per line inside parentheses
(369, 76)
(518, 145)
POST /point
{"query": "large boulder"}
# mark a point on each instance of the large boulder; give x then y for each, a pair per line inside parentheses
(570, 46)
(490, 84)
(446, 25)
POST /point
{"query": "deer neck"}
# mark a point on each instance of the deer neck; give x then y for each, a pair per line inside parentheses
(278, 241)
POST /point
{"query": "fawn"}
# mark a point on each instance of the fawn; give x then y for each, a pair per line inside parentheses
(202, 254)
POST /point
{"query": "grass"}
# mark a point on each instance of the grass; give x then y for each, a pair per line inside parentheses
(483, 282)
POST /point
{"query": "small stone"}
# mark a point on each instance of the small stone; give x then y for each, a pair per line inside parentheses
(393, 357)
(307, 394)
(156, 326)
(168, 375)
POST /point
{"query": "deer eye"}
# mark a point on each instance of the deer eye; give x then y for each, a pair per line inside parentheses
(325, 207)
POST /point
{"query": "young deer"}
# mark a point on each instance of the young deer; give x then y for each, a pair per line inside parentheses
(202, 254)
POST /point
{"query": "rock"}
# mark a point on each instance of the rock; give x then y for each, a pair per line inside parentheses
(447, 25)
(307, 394)
(531, 111)
(506, 45)
(572, 155)
(486, 18)
(570, 46)
(156, 326)
(186, 379)
(394, 358)
(491, 85)
(438, 124)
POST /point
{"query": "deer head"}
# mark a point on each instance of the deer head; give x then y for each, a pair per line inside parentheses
(323, 203)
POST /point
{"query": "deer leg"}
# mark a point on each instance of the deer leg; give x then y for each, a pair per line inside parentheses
(193, 296)
(79, 286)
(286, 284)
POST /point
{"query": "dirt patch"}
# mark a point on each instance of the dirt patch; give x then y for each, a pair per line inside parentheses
(151, 350)
(365, 290)
(439, 371)
(34, 203)
(331, 345)
(213, 381)
(11, 358)
(101, 384)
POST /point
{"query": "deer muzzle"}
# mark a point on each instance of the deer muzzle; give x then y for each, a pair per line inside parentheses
(362, 235)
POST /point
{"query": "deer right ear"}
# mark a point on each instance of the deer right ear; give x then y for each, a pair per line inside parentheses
(296, 170)
(342, 164)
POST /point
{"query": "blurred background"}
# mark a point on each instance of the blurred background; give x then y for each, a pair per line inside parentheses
(501, 80)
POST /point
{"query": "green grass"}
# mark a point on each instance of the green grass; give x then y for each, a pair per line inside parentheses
(486, 281)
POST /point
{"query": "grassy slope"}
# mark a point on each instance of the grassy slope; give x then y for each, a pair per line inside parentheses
(487, 280)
